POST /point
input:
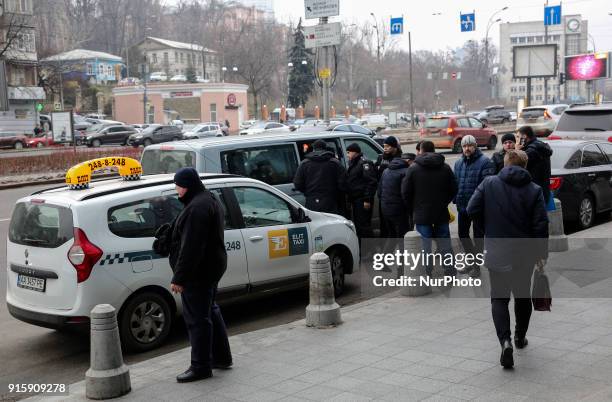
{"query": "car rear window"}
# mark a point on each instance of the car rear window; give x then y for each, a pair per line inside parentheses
(585, 120)
(532, 113)
(271, 164)
(157, 161)
(565, 158)
(40, 225)
(437, 123)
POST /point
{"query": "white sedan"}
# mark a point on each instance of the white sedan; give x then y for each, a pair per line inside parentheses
(266, 127)
(178, 78)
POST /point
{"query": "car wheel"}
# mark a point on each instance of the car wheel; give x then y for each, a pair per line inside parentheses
(145, 322)
(96, 143)
(176, 139)
(485, 121)
(39, 145)
(492, 142)
(504, 121)
(337, 271)
(18, 145)
(586, 212)
(457, 146)
(147, 142)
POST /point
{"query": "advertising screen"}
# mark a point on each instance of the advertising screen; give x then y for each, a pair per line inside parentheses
(586, 66)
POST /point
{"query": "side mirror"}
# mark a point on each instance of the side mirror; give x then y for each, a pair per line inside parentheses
(299, 216)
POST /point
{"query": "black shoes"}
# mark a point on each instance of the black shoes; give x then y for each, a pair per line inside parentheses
(193, 375)
(506, 359)
(520, 342)
(223, 366)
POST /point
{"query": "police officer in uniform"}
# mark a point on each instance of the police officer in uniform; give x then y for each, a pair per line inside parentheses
(361, 186)
(391, 149)
(321, 177)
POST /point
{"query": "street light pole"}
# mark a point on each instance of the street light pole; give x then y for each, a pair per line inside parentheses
(379, 79)
(411, 92)
(489, 25)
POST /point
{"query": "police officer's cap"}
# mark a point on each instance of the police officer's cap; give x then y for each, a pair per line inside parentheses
(354, 147)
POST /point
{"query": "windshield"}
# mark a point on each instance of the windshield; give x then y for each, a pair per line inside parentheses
(156, 161)
(532, 113)
(259, 124)
(583, 120)
(94, 127)
(149, 129)
(40, 225)
(436, 123)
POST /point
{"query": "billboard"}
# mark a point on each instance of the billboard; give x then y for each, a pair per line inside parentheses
(538, 61)
(62, 126)
(587, 66)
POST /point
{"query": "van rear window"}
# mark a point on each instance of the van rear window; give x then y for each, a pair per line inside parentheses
(40, 225)
(158, 161)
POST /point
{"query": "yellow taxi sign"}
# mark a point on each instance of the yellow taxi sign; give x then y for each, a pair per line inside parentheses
(79, 176)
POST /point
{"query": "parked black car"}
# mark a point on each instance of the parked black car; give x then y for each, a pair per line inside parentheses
(114, 134)
(155, 134)
(495, 114)
(581, 177)
(352, 128)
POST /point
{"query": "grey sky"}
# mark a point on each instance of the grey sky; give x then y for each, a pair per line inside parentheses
(442, 31)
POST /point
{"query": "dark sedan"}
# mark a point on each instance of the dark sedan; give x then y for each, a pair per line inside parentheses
(581, 178)
(154, 134)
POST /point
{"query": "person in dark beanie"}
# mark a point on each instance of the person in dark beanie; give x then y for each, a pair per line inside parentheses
(470, 170)
(427, 188)
(391, 149)
(199, 260)
(361, 186)
(396, 217)
(508, 141)
(539, 154)
(322, 179)
(516, 239)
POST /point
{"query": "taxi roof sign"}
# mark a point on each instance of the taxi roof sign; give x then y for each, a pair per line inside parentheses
(79, 176)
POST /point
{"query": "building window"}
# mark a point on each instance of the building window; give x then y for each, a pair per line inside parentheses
(521, 40)
(176, 57)
(109, 70)
(182, 59)
(25, 43)
(540, 39)
(530, 39)
(556, 37)
(100, 69)
(154, 58)
(213, 112)
(90, 69)
(513, 40)
(165, 57)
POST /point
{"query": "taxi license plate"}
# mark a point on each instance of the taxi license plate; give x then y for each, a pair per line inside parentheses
(31, 283)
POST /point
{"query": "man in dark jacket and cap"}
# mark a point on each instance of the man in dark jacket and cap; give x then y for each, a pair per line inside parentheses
(470, 171)
(360, 188)
(539, 154)
(322, 179)
(199, 260)
(516, 233)
(508, 141)
(427, 189)
(394, 212)
(391, 149)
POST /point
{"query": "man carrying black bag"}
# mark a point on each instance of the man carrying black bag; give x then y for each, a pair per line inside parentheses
(194, 242)
(516, 239)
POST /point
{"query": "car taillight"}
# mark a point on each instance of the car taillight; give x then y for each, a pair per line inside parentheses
(555, 183)
(609, 139)
(547, 115)
(553, 137)
(450, 131)
(83, 255)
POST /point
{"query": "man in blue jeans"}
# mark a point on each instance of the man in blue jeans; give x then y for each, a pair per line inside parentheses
(427, 189)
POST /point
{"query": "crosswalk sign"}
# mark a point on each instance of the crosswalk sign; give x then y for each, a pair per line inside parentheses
(468, 22)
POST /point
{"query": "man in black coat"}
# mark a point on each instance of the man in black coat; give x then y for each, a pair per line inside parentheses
(539, 154)
(322, 179)
(361, 186)
(391, 149)
(508, 141)
(427, 189)
(516, 232)
(394, 213)
(199, 260)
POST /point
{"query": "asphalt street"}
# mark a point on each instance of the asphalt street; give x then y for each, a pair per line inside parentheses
(33, 354)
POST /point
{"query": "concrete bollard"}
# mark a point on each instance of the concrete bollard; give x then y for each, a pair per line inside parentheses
(557, 240)
(323, 311)
(414, 244)
(107, 377)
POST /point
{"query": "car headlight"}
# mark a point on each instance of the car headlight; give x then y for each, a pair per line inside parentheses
(89, 138)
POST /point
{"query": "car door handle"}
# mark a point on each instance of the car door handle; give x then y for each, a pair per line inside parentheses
(256, 238)
(592, 174)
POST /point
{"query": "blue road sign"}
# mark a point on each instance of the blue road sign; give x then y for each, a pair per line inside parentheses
(468, 22)
(552, 15)
(397, 26)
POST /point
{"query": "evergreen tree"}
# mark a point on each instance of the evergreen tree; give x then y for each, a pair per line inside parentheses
(190, 74)
(301, 76)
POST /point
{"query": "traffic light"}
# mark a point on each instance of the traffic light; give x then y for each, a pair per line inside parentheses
(561, 78)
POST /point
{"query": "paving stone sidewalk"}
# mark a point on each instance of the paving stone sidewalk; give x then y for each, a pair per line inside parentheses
(401, 349)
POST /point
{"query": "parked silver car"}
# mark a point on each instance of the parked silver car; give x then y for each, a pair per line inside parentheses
(542, 119)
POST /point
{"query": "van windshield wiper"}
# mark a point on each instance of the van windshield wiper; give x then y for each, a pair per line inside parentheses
(593, 129)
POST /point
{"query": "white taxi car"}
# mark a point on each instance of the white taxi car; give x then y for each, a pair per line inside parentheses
(70, 249)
